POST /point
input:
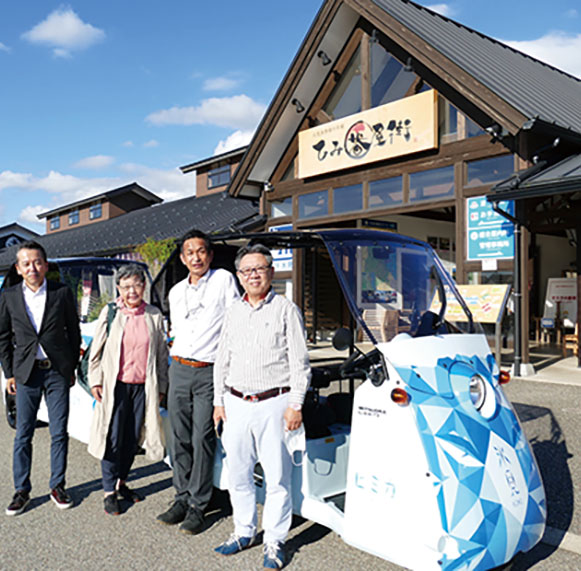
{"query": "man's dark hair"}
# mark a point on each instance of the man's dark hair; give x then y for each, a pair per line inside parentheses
(31, 245)
(195, 234)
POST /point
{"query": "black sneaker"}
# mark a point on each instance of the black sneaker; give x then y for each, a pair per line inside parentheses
(129, 495)
(111, 504)
(194, 521)
(176, 513)
(61, 498)
(19, 502)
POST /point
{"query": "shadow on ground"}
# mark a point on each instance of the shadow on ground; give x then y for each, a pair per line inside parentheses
(550, 449)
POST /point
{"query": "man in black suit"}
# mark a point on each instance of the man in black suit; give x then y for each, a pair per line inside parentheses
(40, 342)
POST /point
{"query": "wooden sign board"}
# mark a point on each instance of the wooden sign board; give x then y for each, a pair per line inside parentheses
(406, 126)
(485, 302)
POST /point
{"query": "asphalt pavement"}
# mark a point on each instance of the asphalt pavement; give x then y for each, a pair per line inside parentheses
(85, 537)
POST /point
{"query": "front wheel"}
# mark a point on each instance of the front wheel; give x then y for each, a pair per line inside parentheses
(10, 401)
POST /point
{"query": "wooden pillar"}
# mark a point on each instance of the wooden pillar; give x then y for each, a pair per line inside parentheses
(460, 229)
(578, 240)
(525, 307)
(365, 73)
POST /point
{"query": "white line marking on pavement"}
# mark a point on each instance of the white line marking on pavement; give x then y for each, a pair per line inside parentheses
(562, 539)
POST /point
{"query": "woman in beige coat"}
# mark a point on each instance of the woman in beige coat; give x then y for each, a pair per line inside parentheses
(128, 377)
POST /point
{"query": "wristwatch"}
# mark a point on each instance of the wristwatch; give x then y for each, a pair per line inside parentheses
(296, 406)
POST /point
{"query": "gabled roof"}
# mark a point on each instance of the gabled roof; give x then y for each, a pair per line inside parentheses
(17, 229)
(561, 178)
(488, 81)
(132, 188)
(213, 160)
(213, 213)
(536, 90)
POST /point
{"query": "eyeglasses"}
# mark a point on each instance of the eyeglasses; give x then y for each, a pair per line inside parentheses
(247, 272)
(134, 287)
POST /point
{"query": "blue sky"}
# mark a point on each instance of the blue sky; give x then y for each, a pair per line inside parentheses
(99, 94)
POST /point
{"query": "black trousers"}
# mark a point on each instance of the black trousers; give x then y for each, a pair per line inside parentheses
(124, 433)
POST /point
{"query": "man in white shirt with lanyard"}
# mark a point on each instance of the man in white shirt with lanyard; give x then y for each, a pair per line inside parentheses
(197, 305)
(261, 375)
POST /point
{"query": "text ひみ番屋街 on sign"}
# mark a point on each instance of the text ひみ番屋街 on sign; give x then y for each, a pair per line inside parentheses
(399, 128)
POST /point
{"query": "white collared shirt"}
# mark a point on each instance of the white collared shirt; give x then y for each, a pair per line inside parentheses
(35, 302)
(197, 312)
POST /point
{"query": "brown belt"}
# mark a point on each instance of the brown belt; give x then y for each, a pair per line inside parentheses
(259, 396)
(191, 362)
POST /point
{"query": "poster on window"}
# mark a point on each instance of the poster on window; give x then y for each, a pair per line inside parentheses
(406, 126)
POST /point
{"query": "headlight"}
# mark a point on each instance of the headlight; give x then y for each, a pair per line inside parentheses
(477, 391)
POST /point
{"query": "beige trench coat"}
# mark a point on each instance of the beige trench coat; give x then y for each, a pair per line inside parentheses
(104, 368)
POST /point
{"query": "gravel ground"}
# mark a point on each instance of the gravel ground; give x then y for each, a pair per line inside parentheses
(85, 537)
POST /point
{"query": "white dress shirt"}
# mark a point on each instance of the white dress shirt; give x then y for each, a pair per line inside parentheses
(35, 302)
(197, 312)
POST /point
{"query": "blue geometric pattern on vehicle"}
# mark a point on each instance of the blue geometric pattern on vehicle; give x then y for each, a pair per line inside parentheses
(462, 447)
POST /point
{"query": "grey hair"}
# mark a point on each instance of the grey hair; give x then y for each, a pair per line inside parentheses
(128, 271)
(254, 249)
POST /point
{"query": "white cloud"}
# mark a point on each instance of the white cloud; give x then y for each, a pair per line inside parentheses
(9, 179)
(95, 162)
(572, 13)
(221, 83)
(558, 49)
(443, 9)
(234, 141)
(4, 48)
(30, 214)
(65, 32)
(168, 184)
(128, 144)
(236, 112)
(151, 144)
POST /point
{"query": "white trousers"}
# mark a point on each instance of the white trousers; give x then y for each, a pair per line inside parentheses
(254, 432)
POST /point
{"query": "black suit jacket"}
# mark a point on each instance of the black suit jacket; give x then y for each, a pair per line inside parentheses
(59, 332)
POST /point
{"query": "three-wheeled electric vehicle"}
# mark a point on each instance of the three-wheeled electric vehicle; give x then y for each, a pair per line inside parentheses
(424, 462)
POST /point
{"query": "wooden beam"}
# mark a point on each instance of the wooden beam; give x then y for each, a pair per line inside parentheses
(463, 83)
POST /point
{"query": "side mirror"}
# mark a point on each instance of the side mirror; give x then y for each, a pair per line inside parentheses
(343, 339)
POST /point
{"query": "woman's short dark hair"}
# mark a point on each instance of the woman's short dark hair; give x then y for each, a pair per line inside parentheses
(129, 271)
(254, 249)
(195, 234)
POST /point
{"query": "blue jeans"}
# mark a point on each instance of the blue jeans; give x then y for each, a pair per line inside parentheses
(56, 391)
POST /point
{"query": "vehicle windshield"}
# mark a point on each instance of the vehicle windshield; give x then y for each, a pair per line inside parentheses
(395, 285)
(93, 282)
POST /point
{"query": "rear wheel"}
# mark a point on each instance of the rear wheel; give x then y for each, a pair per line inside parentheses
(10, 401)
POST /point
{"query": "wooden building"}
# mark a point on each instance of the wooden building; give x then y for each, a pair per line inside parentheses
(215, 173)
(98, 208)
(394, 116)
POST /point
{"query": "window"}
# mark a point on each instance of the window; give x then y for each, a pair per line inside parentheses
(448, 121)
(219, 176)
(348, 198)
(346, 97)
(73, 217)
(385, 192)
(282, 208)
(432, 185)
(314, 204)
(55, 223)
(389, 80)
(488, 171)
(95, 211)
